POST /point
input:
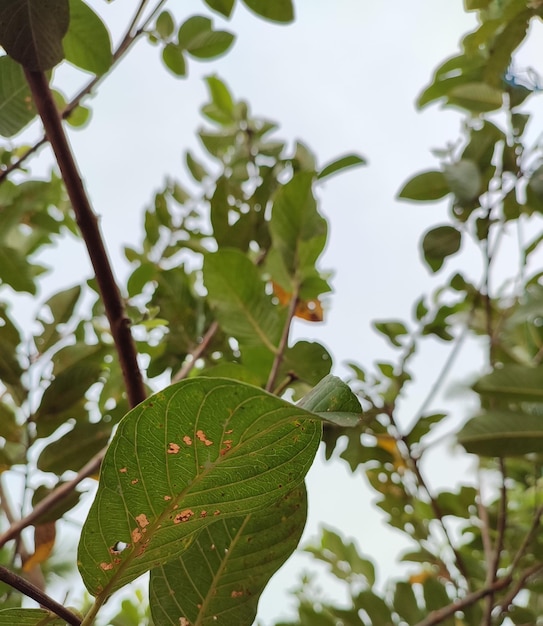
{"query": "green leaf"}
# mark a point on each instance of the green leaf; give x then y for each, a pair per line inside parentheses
(74, 449)
(17, 107)
(513, 383)
(464, 179)
(221, 108)
(298, 230)
(276, 11)
(16, 271)
(198, 38)
(405, 603)
(29, 617)
(61, 306)
(349, 160)
(392, 329)
(423, 426)
(476, 97)
(196, 168)
(31, 31)
(334, 402)
(87, 44)
(236, 292)
(224, 7)
(374, 606)
(201, 451)
(174, 59)
(309, 361)
(503, 433)
(439, 243)
(165, 25)
(68, 388)
(241, 555)
(430, 185)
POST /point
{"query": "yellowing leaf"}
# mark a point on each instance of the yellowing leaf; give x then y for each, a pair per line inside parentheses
(419, 577)
(44, 541)
(310, 310)
(390, 445)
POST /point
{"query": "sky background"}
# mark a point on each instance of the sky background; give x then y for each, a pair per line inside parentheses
(343, 78)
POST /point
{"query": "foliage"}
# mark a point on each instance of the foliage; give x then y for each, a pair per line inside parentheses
(202, 481)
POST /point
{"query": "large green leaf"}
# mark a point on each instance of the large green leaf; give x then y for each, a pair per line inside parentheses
(298, 231)
(219, 579)
(29, 617)
(464, 179)
(87, 44)
(31, 31)
(476, 97)
(277, 11)
(16, 105)
(243, 309)
(514, 383)
(16, 271)
(201, 451)
(503, 433)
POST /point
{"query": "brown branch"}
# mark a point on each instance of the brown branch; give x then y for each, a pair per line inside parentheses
(88, 224)
(55, 496)
(440, 615)
(31, 591)
(508, 600)
(196, 353)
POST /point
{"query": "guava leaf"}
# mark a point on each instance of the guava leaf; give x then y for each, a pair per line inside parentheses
(201, 451)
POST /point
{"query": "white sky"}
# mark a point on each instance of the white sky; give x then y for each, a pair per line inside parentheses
(343, 78)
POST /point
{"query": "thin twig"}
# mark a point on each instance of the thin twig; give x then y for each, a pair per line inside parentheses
(55, 496)
(196, 353)
(283, 342)
(498, 546)
(88, 224)
(508, 600)
(31, 591)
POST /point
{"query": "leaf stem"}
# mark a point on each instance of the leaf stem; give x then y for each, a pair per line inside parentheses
(283, 342)
(31, 591)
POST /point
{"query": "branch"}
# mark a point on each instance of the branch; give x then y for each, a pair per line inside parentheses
(507, 601)
(88, 224)
(31, 591)
(55, 496)
(436, 617)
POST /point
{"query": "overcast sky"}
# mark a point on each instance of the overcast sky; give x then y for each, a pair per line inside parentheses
(344, 77)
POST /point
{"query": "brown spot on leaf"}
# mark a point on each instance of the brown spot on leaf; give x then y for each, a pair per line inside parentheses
(167, 498)
(106, 566)
(134, 481)
(203, 513)
(236, 594)
(173, 448)
(183, 516)
(187, 440)
(227, 446)
(216, 512)
(136, 535)
(202, 437)
(183, 621)
(229, 432)
(142, 520)
(123, 470)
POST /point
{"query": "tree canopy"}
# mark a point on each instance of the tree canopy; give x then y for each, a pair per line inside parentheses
(184, 389)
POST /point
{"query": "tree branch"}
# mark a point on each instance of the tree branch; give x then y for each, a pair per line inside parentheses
(196, 353)
(88, 224)
(31, 591)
